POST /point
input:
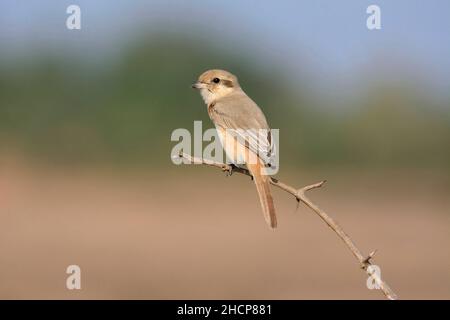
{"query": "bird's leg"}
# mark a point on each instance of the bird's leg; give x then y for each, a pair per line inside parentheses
(228, 169)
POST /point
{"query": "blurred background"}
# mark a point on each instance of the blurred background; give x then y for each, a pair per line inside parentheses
(86, 176)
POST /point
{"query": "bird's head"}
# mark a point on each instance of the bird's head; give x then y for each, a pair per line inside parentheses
(216, 84)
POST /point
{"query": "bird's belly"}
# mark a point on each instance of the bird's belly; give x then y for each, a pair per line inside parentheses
(236, 152)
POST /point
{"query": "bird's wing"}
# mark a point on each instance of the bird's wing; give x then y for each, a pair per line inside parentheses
(243, 118)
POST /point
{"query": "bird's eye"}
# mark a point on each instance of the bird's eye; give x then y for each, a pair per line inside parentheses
(216, 80)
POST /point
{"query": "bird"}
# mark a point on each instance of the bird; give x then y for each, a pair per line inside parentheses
(243, 131)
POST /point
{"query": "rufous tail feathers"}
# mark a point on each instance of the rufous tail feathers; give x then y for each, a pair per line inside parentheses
(262, 183)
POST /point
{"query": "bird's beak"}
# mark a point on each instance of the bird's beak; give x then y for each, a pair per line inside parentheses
(199, 85)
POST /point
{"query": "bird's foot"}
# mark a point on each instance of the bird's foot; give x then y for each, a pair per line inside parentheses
(228, 169)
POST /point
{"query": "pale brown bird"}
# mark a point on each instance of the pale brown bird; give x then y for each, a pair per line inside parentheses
(243, 130)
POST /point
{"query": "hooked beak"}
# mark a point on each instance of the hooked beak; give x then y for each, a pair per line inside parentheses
(199, 85)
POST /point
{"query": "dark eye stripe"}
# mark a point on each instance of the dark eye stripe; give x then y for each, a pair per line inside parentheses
(228, 83)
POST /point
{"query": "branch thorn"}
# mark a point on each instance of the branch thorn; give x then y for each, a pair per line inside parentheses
(366, 261)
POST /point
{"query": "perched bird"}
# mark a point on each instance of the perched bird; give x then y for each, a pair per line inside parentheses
(242, 129)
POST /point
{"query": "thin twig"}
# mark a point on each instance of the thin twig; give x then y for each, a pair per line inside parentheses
(299, 194)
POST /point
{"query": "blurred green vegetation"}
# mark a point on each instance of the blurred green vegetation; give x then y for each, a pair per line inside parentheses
(58, 110)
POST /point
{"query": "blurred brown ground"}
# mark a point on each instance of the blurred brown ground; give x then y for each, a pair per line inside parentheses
(191, 233)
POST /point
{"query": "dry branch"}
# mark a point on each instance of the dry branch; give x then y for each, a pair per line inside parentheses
(300, 195)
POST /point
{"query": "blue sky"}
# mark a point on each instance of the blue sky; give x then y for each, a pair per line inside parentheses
(326, 38)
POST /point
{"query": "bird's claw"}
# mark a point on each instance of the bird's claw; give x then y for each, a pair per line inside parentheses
(228, 169)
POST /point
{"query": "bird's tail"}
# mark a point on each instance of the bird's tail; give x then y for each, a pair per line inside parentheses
(262, 183)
